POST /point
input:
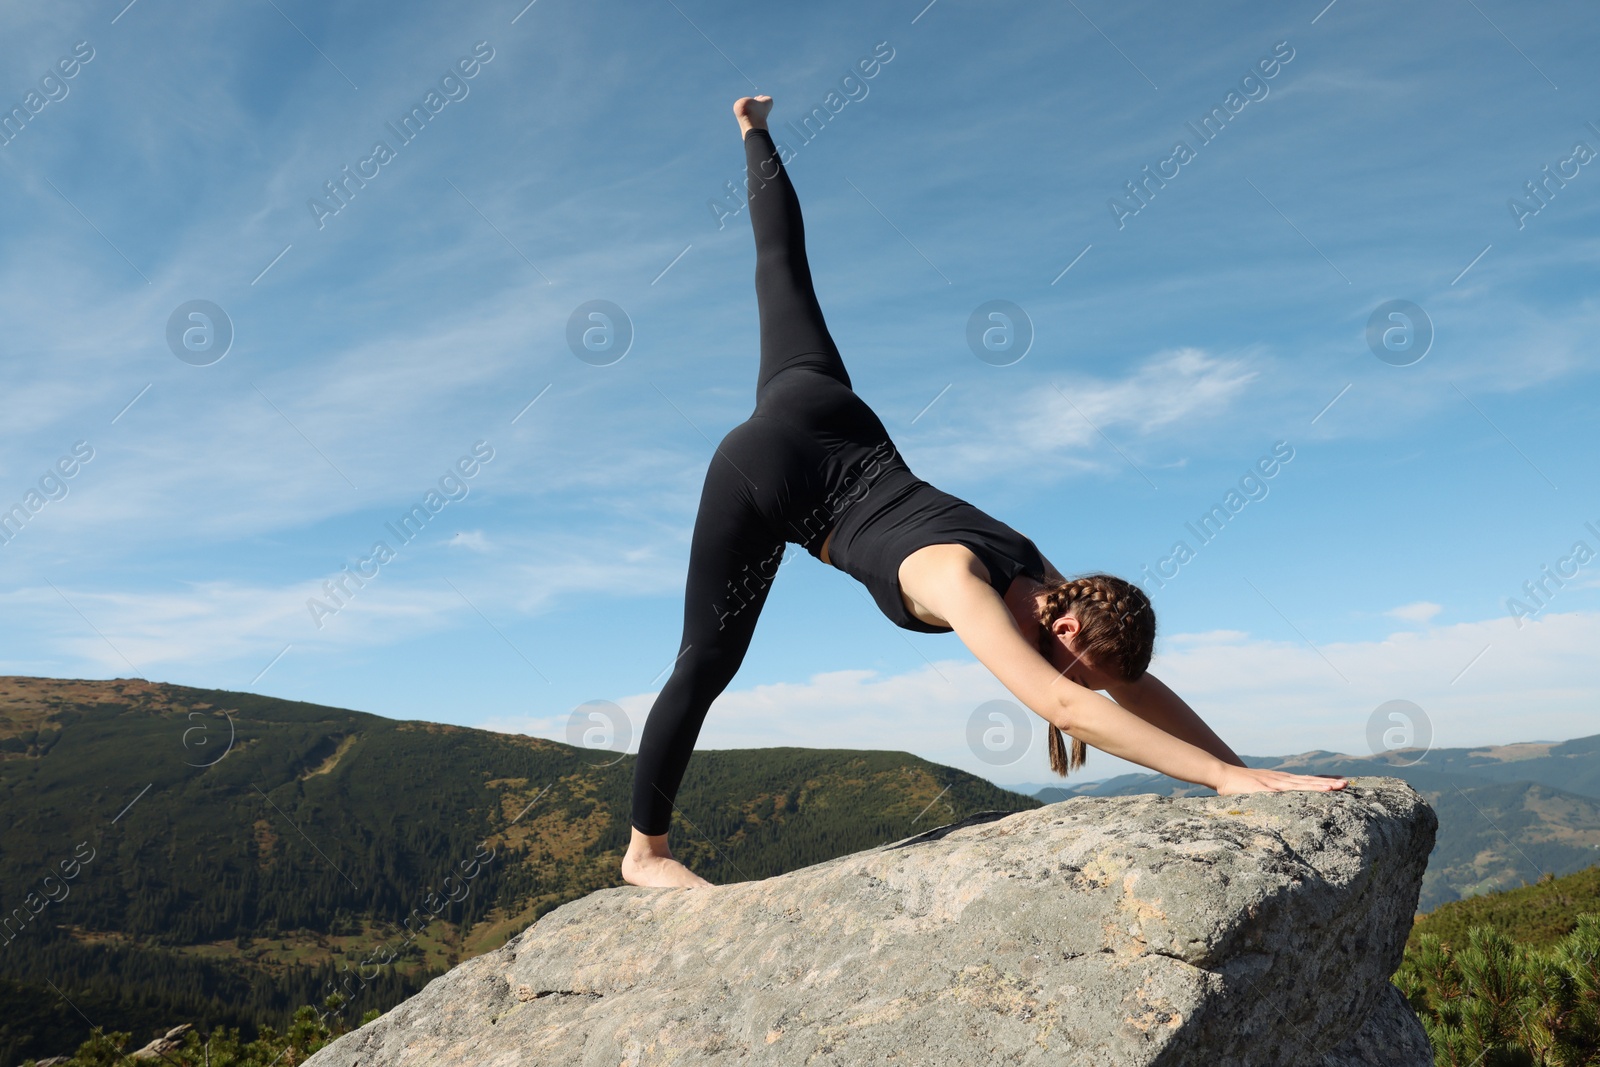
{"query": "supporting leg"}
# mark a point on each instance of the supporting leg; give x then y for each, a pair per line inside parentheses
(732, 560)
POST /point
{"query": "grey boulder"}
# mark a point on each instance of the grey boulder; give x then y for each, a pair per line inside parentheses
(1253, 929)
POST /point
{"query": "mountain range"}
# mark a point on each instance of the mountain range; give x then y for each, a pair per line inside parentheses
(221, 858)
(1507, 813)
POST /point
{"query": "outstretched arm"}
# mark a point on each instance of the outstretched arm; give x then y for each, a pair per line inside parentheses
(984, 623)
(1151, 700)
(982, 620)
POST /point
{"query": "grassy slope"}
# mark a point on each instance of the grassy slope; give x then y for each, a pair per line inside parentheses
(1538, 915)
(220, 892)
(233, 892)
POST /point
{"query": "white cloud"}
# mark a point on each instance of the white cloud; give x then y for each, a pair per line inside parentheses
(473, 540)
(399, 335)
(1263, 697)
(205, 624)
(859, 709)
(1050, 429)
(214, 622)
(1422, 611)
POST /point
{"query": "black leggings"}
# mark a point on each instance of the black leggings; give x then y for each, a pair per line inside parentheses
(763, 474)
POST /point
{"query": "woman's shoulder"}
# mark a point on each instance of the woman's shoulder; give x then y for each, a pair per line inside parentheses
(1050, 571)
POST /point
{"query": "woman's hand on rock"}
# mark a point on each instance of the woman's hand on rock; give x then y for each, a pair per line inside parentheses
(1260, 780)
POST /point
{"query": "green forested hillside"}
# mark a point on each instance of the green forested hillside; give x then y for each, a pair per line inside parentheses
(173, 855)
(181, 855)
(1537, 915)
(1504, 979)
(1510, 978)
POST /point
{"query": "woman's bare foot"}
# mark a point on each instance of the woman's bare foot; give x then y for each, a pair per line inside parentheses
(649, 863)
(752, 111)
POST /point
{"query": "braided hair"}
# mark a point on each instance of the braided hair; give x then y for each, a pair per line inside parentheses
(1118, 631)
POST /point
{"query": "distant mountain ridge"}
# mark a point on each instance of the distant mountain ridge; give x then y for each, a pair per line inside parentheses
(179, 854)
(1507, 813)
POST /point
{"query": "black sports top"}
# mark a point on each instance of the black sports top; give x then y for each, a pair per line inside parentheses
(879, 511)
(871, 542)
(842, 471)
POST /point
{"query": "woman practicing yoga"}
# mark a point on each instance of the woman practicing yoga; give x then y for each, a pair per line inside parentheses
(814, 465)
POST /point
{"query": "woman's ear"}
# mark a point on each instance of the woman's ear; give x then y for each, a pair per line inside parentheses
(1066, 626)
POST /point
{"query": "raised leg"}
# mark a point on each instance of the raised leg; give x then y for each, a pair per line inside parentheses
(793, 333)
(733, 558)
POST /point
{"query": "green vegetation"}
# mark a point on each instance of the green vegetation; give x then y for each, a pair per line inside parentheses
(1492, 1002)
(308, 1031)
(1538, 915)
(147, 879)
(1510, 979)
(341, 859)
(1484, 999)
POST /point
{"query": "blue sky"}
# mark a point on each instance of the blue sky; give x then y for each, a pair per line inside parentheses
(1172, 348)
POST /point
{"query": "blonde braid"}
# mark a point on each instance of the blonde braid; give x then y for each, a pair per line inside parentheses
(1117, 631)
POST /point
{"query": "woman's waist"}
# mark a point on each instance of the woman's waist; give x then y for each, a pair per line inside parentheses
(897, 506)
(856, 482)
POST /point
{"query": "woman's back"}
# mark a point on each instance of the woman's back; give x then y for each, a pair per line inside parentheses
(878, 510)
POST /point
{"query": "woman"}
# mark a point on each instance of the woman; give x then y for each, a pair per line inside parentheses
(815, 466)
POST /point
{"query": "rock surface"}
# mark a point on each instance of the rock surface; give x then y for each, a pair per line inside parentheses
(171, 1041)
(1256, 929)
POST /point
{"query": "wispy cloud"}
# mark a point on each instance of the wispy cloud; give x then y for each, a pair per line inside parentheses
(430, 312)
(1263, 696)
(1056, 430)
(1420, 612)
(470, 539)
